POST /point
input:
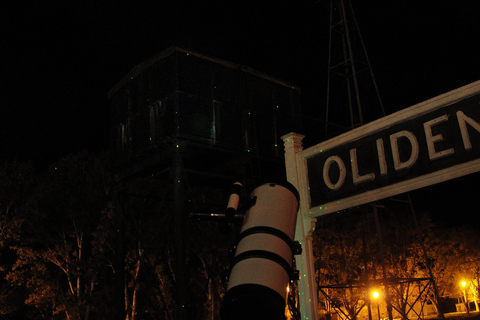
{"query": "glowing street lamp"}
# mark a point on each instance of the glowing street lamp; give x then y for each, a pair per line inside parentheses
(465, 299)
(376, 295)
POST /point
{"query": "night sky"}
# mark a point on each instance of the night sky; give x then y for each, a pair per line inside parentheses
(60, 58)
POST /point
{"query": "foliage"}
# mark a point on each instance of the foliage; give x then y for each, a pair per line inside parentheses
(54, 260)
(342, 260)
(16, 183)
(355, 252)
(144, 208)
(76, 244)
(455, 258)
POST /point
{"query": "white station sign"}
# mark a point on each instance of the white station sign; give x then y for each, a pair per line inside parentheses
(428, 143)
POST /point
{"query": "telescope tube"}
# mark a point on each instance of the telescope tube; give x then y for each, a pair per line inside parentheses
(262, 266)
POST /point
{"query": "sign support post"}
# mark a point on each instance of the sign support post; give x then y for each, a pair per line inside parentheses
(303, 233)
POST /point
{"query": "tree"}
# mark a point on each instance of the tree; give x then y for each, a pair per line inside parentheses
(17, 181)
(455, 258)
(343, 262)
(405, 259)
(144, 208)
(54, 256)
(354, 254)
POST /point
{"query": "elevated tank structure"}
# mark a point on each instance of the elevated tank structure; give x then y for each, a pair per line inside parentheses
(187, 96)
(197, 124)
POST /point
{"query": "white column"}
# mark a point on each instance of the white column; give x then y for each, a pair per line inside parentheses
(303, 234)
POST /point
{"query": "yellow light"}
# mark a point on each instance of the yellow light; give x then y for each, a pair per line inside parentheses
(375, 294)
(464, 284)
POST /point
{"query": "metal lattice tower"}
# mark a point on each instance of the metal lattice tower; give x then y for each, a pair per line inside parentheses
(352, 94)
(353, 100)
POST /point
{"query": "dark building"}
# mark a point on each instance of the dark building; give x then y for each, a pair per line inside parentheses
(193, 125)
(222, 113)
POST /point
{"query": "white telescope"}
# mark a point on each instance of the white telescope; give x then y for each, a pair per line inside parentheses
(262, 267)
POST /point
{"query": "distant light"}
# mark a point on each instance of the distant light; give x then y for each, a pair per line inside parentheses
(375, 294)
(464, 284)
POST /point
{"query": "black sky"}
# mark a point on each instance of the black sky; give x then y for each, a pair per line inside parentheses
(60, 58)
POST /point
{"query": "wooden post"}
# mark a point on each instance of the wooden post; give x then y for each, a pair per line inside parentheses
(303, 233)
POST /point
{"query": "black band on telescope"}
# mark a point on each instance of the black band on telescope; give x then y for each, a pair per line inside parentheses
(252, 302)
(268, 230)
(262, 254)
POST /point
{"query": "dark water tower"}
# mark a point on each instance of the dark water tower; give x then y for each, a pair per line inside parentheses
(200, 124)
(218, 111)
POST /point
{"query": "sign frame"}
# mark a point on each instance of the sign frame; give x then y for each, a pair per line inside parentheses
(376, 127)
